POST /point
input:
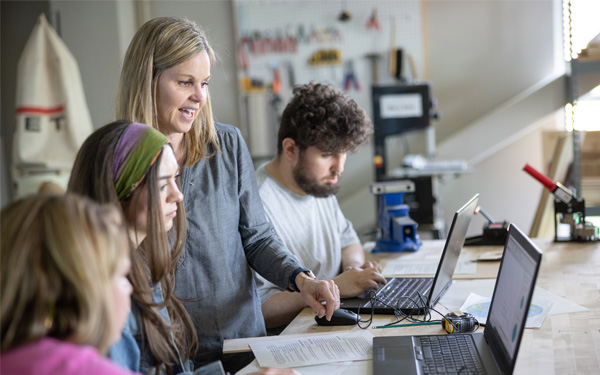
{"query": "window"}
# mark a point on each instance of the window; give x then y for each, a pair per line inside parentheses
(580, 26)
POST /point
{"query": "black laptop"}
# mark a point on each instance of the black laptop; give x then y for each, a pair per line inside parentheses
(492, 352)
(412, 295)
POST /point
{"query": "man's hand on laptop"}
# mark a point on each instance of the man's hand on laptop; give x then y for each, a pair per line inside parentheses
(353, 281)
(366, 265)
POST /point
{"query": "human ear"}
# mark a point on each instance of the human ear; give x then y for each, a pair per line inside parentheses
(290, 149)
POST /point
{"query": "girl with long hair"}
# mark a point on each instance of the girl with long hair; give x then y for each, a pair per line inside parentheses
(133, 166)
(64, 294)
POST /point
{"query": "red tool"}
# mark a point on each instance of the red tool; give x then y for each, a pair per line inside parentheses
(569, 212)
(350, 77)
(245, 45)
(276, 80)
(559, 190)
(373, 23)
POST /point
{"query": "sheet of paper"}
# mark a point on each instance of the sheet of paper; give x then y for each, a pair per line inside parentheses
(490, 255)
(479, 307)
(561, 305)
(423, 267)
(336, 368)
(314, 350)
(459, 291)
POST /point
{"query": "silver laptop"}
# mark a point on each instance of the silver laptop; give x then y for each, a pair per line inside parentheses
(492, 352)
(412, 295)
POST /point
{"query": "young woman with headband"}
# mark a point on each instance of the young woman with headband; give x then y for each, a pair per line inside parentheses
(133, 166)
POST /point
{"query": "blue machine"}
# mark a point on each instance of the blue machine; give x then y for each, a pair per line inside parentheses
(397, 231)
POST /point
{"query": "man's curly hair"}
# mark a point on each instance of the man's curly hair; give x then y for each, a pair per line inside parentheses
(319, 115)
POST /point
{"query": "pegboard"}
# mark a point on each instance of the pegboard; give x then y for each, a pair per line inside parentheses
(280, 37)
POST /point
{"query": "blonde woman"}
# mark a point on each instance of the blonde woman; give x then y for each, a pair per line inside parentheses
(65, 293)
(164, 83)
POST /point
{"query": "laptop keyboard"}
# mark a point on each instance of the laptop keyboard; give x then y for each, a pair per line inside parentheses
(404, 293)
(450, 354)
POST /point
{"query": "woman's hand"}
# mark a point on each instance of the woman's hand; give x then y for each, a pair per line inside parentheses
(314, 292)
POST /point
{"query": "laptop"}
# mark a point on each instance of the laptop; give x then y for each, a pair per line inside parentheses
(492, 352)
(412, 295)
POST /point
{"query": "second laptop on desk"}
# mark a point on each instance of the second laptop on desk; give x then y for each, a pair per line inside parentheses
(492, 352)
(412, 294)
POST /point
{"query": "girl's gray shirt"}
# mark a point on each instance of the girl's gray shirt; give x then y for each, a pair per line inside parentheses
(227, 234)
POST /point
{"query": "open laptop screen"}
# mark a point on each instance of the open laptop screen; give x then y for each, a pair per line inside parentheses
(453, 246)
(517, 275)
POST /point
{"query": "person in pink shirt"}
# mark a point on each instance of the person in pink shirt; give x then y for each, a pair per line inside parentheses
(65, 293)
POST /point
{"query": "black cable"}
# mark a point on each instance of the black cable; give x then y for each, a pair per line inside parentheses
(421, 308)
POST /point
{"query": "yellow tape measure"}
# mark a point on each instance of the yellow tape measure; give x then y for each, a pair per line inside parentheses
(459, 321)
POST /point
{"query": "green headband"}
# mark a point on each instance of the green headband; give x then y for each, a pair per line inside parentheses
(136, 151)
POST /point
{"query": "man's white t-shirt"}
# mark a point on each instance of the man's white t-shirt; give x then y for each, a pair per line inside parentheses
(314, 229)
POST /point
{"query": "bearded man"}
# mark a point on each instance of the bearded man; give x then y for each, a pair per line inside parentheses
(319, 126)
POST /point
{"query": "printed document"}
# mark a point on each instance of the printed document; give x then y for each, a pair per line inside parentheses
(423, 267)
(313, 350)
(479, 307)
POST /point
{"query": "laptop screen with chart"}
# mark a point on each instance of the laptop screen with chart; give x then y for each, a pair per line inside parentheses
(413, 294)
(512, 297)
(492, 352)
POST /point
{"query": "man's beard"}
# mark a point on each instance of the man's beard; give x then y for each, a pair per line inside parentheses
(310, 185)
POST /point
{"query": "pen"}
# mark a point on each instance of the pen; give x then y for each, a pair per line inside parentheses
(408, 325)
